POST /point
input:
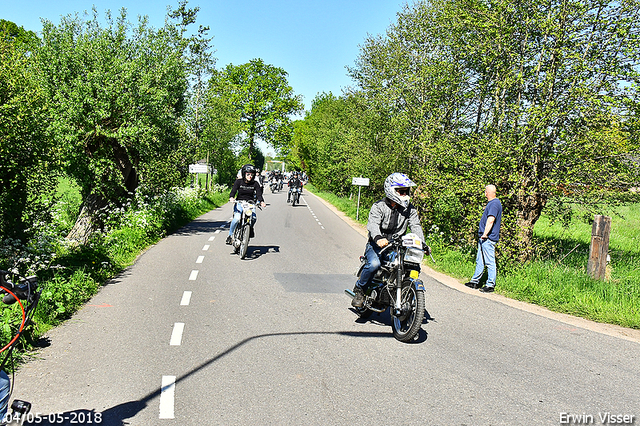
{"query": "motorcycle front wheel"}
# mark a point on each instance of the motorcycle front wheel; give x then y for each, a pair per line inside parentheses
(407, 324)
(244, 242)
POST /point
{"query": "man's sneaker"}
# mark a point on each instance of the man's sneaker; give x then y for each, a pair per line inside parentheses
(228, 242)
(487, 289)
(358, 300)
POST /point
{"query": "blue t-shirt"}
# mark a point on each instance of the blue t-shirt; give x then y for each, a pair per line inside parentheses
(493, 208)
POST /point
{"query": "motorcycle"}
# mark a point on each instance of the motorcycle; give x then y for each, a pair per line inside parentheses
(295, 196)
(273, 185)
(244, 228)
(396, 286)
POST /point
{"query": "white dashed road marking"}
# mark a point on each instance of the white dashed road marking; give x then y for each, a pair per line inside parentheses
(176, 334)
(167, 396)
(186, 298)
(206, 247)
(199, 259)
(194, 275)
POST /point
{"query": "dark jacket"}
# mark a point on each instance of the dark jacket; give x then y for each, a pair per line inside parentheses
(246, 191)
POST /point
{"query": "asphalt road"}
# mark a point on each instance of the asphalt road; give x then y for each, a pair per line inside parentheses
(193, 335)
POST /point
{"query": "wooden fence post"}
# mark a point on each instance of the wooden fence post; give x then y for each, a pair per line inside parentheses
(600, 231)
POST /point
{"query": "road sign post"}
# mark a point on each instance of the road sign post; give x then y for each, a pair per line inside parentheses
(197, 169)
(360, 182)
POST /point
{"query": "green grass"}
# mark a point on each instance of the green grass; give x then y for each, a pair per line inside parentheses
(344, 204)
(557, 279)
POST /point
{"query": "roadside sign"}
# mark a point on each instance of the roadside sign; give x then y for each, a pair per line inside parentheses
(360, 181)
(198, 168)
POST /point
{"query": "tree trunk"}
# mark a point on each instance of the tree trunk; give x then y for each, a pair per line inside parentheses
(529, 208)
(86, 224)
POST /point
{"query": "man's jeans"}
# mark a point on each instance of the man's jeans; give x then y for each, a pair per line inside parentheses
(486, 249)
(372, 254)
(237, 213)
(5, 385)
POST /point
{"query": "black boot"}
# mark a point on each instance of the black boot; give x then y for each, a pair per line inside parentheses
(358, 300)
(228, 242)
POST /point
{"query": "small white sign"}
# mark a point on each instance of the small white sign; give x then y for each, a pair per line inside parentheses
(198, 168)
(360, 181)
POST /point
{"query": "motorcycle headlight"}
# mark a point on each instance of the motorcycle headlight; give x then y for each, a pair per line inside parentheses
(413, 255)
(247, 212)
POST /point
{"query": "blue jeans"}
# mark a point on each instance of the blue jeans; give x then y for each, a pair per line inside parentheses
(237, 213)
(372, 254)
(486, 257)
(5, 386)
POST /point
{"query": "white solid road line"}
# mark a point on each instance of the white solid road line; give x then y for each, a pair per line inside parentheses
(176, 334)
(186, 298)
(167, 397)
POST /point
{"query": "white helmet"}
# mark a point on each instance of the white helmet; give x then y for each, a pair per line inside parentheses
(395, 181)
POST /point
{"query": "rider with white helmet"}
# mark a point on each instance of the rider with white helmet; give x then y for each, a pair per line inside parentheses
(389, 217)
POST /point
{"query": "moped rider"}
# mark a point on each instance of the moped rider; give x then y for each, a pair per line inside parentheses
(392, 215)
(247, 189)
(294, 182)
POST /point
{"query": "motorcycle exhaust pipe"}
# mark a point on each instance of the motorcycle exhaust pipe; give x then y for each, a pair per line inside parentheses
(350, 293)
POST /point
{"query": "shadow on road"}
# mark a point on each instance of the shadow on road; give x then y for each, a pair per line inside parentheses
(201, 226)
(117, 415)
(384, 319)
(254, 252)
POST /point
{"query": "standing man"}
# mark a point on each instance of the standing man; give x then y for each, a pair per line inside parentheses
(489, 233)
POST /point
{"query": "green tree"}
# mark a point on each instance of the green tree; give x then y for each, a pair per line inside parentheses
(221, 129)
(117, 94)
(531, 96)
(265, 101)
(27, 175)
(20, 37)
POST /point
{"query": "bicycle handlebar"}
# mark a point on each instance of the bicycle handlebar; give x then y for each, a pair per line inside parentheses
(23, 291)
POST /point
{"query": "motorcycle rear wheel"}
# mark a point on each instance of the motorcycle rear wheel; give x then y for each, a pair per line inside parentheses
(407, 325)
(244, 242)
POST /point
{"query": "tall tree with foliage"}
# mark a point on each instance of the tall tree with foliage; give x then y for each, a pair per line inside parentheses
(117, 94)
(265, 101)
(221, 129)
(27, 175)
(534, 97)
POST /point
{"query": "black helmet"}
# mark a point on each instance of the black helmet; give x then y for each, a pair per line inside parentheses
(248, 168)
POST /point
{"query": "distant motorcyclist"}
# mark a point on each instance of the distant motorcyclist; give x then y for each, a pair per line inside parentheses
(388, 217)
(247, 189)
(294, 182)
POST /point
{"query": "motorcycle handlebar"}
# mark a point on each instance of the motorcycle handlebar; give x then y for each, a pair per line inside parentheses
(396, 240)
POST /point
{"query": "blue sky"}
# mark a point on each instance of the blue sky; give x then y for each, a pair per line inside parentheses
(312, 40)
